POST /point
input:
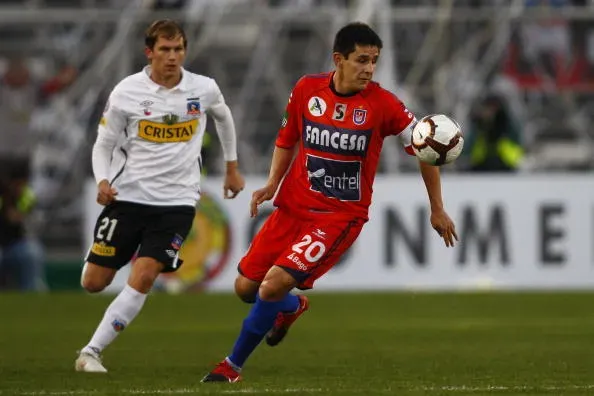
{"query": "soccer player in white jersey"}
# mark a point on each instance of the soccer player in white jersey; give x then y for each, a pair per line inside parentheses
(146, 162)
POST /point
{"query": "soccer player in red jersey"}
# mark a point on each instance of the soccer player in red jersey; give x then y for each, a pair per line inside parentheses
(330, 142)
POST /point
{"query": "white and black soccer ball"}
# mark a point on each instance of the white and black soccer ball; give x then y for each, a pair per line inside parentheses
(437, 139)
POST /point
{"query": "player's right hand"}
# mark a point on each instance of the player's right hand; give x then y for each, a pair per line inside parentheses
(264, 194)
(106, 194)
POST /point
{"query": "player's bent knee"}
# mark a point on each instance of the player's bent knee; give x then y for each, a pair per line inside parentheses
(247, 296)
(277, 283)
(272, 291)
(95, 278)
(246, 289)
(93, 285)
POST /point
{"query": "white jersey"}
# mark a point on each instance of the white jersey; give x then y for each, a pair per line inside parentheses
(154, 136)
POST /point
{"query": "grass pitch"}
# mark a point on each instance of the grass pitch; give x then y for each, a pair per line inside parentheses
(347, 344)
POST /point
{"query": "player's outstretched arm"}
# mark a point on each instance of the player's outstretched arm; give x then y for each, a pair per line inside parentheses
(234, 182)
(220, 112)
(281, 159)
(112, 125)
(101, 161)
(440, 220)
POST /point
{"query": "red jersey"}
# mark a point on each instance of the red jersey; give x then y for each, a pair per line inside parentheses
(340, 139)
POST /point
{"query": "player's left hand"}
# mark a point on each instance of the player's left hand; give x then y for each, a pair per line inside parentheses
(441, 222)
(233, 185)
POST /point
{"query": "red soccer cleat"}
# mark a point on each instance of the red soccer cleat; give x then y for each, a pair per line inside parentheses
(284, 321)
(223, 372)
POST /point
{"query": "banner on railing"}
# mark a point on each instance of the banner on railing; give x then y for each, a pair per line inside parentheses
(515, 232)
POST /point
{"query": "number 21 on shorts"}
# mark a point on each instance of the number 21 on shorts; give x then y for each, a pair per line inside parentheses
(107, 225)
(312, 250)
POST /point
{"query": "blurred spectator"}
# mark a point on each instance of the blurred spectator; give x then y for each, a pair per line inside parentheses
(546, 42)
(21, 256)
(552, 53)
(18, 98)
(493, 141)
(65, 76)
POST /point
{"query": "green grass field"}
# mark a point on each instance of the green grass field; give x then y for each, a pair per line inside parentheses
(347, 344)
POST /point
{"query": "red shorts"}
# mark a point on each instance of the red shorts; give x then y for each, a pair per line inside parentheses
(306, 248)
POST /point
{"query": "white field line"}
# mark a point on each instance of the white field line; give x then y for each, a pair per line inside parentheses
(205, 389)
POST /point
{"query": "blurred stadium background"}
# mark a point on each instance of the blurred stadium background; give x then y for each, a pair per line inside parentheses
(60, 59)
(517, 74)
(536, 58)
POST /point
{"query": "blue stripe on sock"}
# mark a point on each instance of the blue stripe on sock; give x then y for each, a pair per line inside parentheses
(258, 322)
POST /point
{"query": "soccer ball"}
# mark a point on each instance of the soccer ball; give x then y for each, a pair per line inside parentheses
(437, 140)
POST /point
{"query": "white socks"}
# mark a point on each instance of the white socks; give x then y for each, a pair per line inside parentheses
(122, 310)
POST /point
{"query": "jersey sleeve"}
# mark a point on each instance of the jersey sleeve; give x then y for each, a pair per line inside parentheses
(214, 96)
(399, 121)
(112, 124)
(223, 119)
(288, 134)
(113, 120)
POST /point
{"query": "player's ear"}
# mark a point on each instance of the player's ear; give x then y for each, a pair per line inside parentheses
(337, 57)
(149, 53)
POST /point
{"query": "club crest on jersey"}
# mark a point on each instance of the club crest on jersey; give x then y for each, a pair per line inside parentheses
(359, 116)
(316, 106)
(339, 112)
(193, 106)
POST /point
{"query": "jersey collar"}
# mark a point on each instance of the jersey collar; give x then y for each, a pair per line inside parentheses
(184, 84)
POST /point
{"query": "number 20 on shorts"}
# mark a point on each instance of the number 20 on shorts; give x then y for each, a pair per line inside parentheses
(311, 250)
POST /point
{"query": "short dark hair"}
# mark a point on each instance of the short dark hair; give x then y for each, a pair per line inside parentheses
(167, 28)
(352, 34)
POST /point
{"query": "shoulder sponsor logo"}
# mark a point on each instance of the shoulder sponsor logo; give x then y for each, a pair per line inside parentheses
(101, 249)
(316, 106)
(103, 121)
(330, 139)
(285, 120)
(335, 179)
(339, 111)
(359, 116)
(167, 133)
(408, 113)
